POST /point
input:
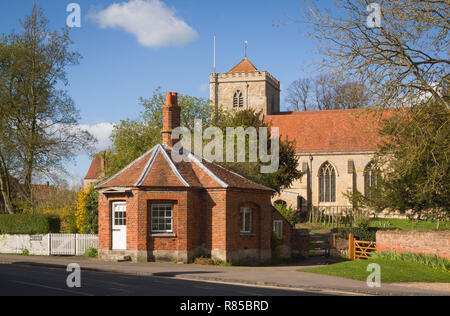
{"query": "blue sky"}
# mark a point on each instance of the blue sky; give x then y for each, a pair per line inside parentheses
(119, 66)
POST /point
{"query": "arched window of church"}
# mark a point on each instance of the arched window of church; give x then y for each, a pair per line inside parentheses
(327, 183)
(238, 99)
(370, 180)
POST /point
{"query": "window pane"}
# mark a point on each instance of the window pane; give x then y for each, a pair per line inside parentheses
(162, 217)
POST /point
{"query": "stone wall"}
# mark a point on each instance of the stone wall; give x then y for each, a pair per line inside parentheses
(260, 90)
(16, 244)
(419, 242)
(345, 181)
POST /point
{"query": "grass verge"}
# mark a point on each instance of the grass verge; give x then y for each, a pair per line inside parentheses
(391, 271)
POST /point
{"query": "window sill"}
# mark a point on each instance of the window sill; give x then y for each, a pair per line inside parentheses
(248, 234)
(163, 235)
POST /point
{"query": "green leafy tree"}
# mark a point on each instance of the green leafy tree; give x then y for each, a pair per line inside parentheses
(288, 213)
(415, 164)
(288, 170)
(133, 137)
(92, 212)
(41, 118)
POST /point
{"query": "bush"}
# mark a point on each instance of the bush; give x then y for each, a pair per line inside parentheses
(29, 224)
(366, 234)
(91, 252)
(87, 211)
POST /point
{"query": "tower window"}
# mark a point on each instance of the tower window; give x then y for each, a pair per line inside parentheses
(238, 99)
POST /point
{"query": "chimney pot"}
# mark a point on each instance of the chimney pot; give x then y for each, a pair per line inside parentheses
(172, 98)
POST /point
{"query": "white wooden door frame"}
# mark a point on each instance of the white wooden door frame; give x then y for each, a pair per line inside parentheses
(118, 230)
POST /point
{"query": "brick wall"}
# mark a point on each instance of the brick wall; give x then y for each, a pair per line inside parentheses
(424, 242)
(300, 241)
(287, 228)
(204, 221)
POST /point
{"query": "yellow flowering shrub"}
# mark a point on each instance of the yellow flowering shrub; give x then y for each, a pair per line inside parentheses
(80, 213)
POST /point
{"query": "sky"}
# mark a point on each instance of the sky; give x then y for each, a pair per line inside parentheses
(131, 47)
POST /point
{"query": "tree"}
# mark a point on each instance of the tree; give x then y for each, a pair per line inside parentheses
(403, 62)
(41, 116)
(287, 172)
(406, 56)
(87, 211)
(326, 92)
(298, 94)
(415, 164)
(132, 138)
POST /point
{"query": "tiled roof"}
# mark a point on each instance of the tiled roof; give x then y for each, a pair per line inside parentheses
(332, 130)
(95, 169)
(244, 66)
(156, 168)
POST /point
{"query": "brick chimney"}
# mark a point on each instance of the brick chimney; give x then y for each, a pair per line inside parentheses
(171, 118)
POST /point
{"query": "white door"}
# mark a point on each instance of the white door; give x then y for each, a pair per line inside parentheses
(119, 226)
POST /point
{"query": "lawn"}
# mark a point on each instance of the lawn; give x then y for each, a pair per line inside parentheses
(390, 223)
(406, 224)
(391, 271)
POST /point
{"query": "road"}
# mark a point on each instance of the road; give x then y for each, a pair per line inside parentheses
(24, 280)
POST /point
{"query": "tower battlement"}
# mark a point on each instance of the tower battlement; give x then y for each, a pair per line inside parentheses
(244, 75)
(245, 87)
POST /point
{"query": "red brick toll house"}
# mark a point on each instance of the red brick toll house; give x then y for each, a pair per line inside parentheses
(159, 209)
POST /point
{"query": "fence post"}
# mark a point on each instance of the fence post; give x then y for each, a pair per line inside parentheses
(351, 247)
(49, 248)
(76, 244)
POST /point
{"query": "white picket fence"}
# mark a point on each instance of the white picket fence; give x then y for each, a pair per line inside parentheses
(71, 244)
(48, 245)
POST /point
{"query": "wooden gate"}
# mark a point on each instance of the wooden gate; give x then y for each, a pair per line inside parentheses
(359, 249)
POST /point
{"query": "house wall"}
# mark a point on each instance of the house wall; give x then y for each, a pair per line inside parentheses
(142, 245)
(253, 247)
(283, 250)
(206, 223)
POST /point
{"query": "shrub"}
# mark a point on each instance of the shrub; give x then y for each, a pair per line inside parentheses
(210, 262)
(25, 252)
(288, 213)
(87, 211)
(367, 234)
(29, 224)
(91, 252)
(362, 223)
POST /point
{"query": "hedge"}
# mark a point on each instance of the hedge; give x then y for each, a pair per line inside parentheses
(367, 234)
(29, 224)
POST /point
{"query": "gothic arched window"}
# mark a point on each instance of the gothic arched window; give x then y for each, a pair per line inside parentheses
(370, 180)
(327, 183)
(238, 99)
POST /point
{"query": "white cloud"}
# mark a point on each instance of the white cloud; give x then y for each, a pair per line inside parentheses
(101, 131)
(152, 22)
(204, 87)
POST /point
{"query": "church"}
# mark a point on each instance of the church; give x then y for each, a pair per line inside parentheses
(334, 147)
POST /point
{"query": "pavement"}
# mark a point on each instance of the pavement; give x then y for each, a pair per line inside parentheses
(284, 277)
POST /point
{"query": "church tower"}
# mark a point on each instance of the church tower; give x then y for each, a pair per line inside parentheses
(245, 87)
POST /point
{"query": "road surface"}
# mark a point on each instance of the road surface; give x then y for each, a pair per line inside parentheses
(24, 280)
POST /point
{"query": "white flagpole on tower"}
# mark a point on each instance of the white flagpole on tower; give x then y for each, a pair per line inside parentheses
(214, 53)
